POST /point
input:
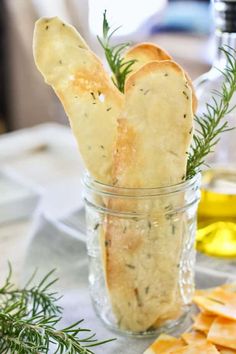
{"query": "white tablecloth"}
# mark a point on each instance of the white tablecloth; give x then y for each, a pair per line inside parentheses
(54, 245)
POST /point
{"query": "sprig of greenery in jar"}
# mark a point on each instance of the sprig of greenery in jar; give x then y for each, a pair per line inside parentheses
(119, 67)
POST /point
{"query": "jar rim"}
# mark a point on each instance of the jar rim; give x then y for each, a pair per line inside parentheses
(103, 188)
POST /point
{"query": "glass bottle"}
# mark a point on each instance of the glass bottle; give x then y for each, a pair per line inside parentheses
(217, 210)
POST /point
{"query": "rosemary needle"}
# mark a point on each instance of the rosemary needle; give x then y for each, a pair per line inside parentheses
(211, 124)
(119, 67)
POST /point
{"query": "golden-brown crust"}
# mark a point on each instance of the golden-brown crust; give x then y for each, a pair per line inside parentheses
(149, 50)
(141, 261)
(145, 52)
(90, 99)
(150, 67)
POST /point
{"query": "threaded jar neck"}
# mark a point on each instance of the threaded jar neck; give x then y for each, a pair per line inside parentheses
(140, 202)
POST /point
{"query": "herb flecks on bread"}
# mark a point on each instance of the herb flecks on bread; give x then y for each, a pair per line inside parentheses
(138, 138)
(134, 130)
(89, 97)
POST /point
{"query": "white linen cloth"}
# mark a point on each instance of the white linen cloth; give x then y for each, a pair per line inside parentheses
(54, 244)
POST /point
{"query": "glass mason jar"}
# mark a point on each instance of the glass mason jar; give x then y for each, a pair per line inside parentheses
(141, 254)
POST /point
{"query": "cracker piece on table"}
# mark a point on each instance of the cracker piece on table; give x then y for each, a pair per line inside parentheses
(224, 350)
(154, 135)
(229, 287)
(203, 322)
(194, 337)
(146, 52)
(223, 293)
(165, 344)
(203, 292)
(223, 332)
(90, 99)
(219, 302)
(207, 348)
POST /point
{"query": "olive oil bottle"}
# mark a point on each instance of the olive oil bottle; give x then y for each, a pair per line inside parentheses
(216, 233)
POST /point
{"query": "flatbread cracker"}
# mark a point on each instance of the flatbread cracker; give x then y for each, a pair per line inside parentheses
(231, 287)
(218, 302)
(197, 349)
(194, 338)
(90, 99)
(203, 322)
(146, 52)
(142, 274)
(157, 104)
(156, 129)
(217, 333)
(203, 292)
(223, 332)
(165, 344)
(224, 350)
(224, 295)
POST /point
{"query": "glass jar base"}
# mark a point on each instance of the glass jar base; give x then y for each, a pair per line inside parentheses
(171, 327)
(140, 244)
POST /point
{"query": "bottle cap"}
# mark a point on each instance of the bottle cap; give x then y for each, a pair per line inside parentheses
(225, 15)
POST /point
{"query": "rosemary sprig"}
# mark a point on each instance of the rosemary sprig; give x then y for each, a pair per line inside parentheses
(119, 67)
(211, 124)
(37, 297)
(29, 320)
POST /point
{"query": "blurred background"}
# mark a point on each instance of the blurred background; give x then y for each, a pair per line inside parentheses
(184, 28)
